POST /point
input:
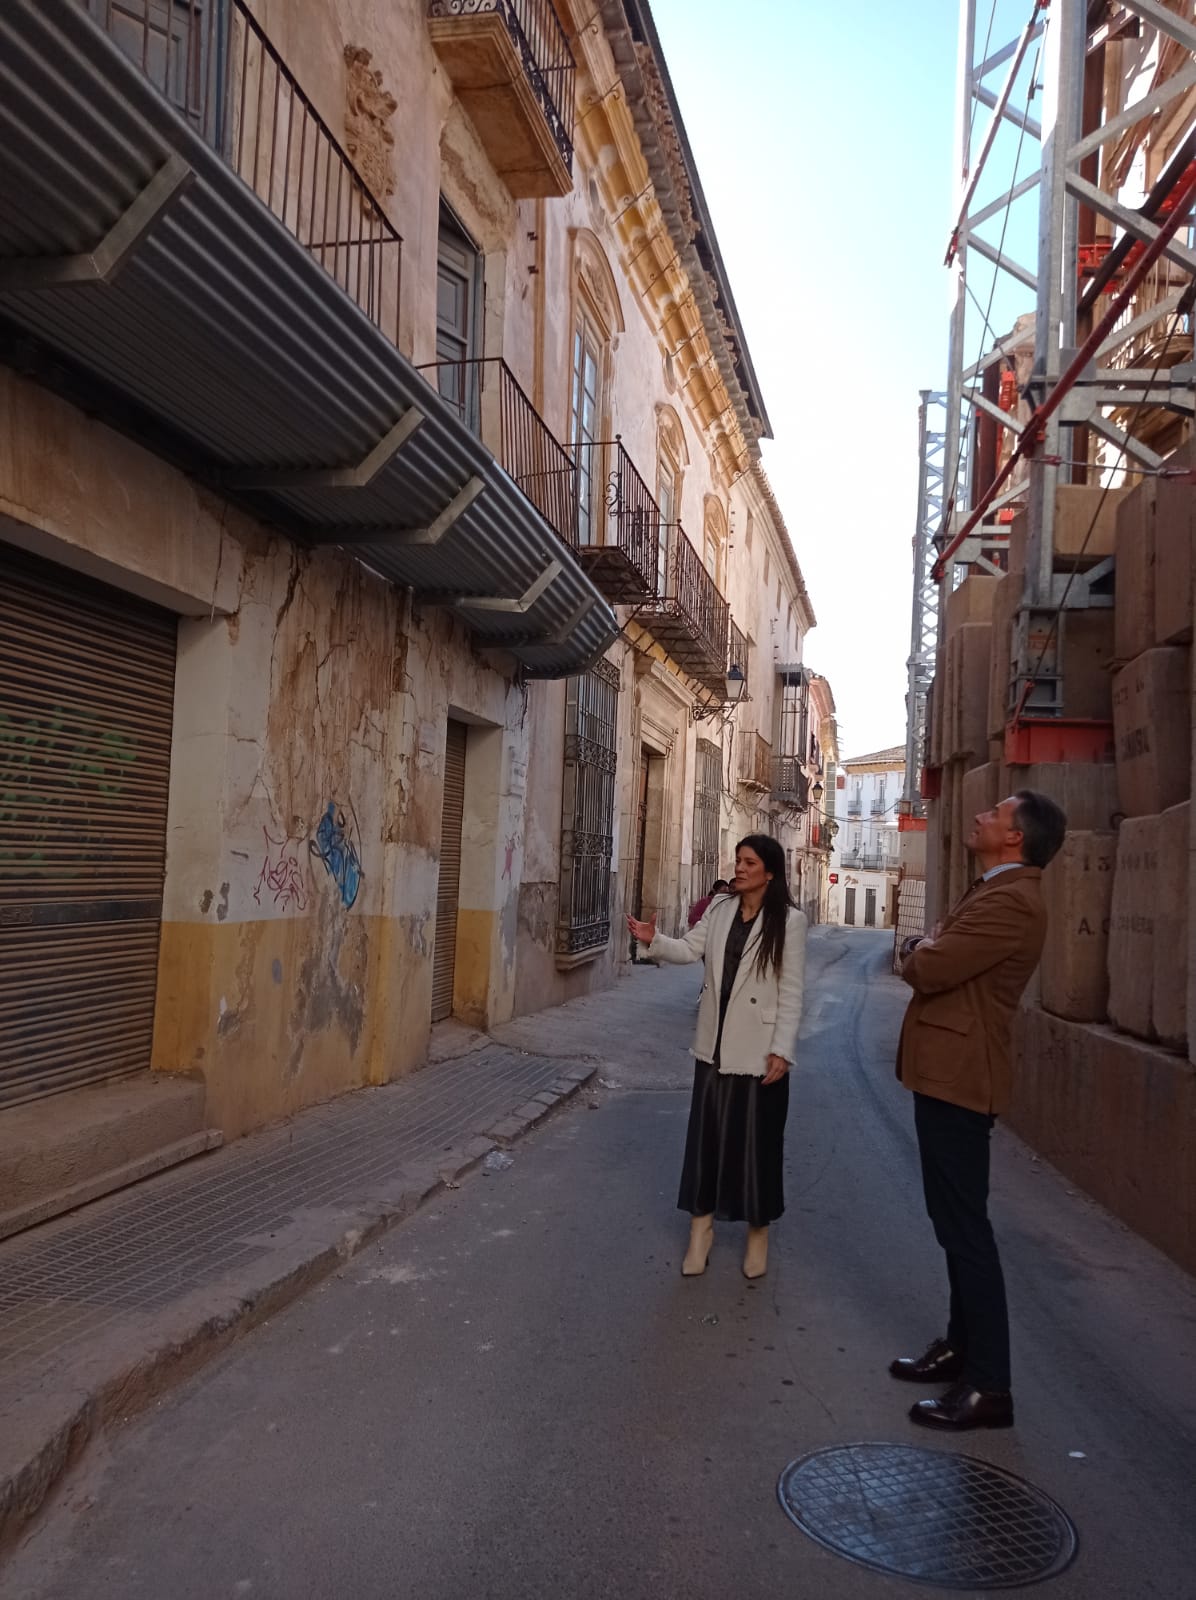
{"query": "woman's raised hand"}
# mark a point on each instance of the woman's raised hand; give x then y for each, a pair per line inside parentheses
(645, 932)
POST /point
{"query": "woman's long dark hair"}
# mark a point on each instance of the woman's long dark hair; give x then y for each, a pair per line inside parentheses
(774, 908)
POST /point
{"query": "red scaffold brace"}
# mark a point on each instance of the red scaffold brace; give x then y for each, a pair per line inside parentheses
(1034, 431)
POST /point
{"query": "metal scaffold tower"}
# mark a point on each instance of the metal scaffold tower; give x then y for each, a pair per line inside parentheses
(1106, 273)
(924, 626)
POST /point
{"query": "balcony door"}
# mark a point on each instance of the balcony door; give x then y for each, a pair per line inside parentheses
(585, 424)
(459, 303)
(180, 47)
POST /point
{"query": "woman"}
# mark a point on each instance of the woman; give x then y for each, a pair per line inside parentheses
(753, 942)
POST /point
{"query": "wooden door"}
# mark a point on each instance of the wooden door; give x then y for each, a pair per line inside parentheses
(444, 957)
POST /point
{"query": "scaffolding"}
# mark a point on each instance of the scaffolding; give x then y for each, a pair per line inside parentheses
(924, 627)
(1106, 273)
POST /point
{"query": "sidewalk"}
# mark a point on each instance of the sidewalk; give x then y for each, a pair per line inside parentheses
(104, 1308)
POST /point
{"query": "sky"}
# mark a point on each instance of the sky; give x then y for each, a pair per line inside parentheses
(824, 139)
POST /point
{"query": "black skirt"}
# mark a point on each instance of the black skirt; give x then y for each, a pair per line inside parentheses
(735, 1147)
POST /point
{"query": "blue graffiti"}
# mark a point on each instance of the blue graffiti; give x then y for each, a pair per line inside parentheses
(336, 846)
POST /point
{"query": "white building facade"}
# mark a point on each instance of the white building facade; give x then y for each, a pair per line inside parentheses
(865, 860)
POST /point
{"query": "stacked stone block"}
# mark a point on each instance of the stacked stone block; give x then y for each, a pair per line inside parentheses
(1105, 1085)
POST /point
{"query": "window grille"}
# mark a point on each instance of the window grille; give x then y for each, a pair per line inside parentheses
(708, 791)
(797, 736)
(588, 810)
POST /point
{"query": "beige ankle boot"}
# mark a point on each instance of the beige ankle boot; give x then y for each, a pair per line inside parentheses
(755, 1258)
(701, 1237)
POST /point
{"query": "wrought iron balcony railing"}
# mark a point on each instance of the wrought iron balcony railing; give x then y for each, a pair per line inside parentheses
(620, 538)
(495, 52)
(789, 781)
(688, 615)
(726, 694)
(855, 808)
(870, 861)
(217, 67)
(737, 655)
(755, 761)
(491, 400)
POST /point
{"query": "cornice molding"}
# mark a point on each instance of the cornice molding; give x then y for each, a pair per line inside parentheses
(656, 254)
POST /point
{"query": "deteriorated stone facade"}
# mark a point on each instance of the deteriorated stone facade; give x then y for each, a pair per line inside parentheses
(312, 697)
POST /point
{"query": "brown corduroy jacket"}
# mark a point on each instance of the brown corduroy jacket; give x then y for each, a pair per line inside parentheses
(956, 1039)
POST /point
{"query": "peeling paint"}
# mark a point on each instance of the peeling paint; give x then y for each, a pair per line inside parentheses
(327, 998)
(537, 912)
(229, 1022)
(417, 928)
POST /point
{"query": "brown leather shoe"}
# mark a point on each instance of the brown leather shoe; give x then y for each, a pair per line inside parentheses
(964, 1407)
(939, 1363)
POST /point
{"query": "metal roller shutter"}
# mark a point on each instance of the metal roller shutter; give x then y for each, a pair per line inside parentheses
(444, 957)
(86, 706)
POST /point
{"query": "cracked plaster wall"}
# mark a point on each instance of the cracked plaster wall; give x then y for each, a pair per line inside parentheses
(303, 680)
(275, 886)
(295, 959)
(532, 258)
(322, 703)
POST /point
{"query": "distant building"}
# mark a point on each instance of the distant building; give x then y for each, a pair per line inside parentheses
(865, 856)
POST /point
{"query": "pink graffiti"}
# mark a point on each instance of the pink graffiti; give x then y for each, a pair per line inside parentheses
(281, 876)
(509, 849)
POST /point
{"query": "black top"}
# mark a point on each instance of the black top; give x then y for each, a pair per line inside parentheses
(737, 939)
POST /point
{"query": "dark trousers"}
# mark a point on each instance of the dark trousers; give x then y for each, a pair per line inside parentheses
(953, 1145)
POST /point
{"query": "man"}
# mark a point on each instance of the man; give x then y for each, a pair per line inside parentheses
(698, 910)
(955, 1055)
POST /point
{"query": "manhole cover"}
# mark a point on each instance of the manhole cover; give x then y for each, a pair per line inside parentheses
(923, 1514)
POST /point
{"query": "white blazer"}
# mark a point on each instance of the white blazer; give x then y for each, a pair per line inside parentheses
(763, 1014)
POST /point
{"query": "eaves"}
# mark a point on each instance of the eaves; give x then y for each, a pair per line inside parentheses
(629, 23)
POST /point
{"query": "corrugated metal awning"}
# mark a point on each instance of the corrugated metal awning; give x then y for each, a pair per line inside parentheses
(223, 328)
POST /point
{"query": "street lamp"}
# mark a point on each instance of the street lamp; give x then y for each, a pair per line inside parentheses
(735, 686)
(817, 791)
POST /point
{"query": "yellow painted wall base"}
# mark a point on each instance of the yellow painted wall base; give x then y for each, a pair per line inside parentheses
(275, 1016)
(476, 932)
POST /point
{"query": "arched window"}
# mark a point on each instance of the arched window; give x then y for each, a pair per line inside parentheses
(672, 458)
(597, 318)
(714, 537)
(585, 420)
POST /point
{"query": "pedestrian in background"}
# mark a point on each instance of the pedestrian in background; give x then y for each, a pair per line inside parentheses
(955, 1053)
(753, 944)
(698, 910)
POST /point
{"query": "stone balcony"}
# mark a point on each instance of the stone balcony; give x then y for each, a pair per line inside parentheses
(512, 69)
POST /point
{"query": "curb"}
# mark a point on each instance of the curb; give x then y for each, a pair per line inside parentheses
(186, 1349)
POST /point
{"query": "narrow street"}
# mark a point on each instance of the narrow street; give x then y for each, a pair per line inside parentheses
(516, 1394)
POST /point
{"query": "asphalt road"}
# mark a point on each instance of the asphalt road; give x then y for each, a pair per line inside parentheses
(516, 1394)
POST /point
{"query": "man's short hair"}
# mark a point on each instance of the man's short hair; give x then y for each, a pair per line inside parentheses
(1042, 825)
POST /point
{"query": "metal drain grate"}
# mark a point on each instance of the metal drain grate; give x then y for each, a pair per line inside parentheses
(940, 1519)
